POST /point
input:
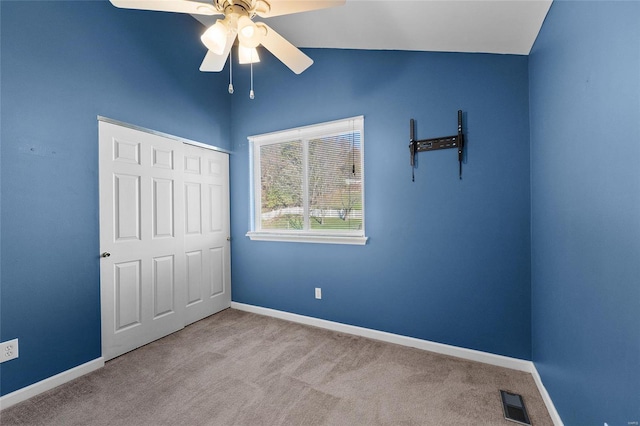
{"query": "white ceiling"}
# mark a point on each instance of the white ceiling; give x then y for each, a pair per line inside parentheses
(499, 26)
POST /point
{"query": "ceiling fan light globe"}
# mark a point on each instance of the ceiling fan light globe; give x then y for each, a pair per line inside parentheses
(248, 32)
(247, 55)
(215, 37)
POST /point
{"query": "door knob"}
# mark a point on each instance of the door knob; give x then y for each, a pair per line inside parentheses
(106, 254)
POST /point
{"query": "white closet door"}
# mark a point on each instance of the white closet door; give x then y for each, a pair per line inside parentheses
(164, 236)
(141, 237)
(206, 232)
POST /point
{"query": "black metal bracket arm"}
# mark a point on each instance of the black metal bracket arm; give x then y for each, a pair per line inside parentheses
(432, 144)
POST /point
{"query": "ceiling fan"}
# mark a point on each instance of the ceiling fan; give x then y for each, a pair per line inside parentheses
(238, 22)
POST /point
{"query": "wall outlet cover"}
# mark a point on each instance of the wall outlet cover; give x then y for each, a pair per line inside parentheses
(8, 350)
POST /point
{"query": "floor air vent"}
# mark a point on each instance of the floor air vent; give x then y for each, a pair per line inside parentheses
(514, 409)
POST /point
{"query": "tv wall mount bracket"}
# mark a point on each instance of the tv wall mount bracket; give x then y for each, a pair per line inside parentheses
(432, 144)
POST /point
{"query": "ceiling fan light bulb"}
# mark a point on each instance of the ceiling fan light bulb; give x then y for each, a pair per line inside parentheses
(215, 38)
(248, 31)
(248, 55)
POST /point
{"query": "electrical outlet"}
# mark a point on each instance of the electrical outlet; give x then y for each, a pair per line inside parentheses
(8, 350)
(318, 293)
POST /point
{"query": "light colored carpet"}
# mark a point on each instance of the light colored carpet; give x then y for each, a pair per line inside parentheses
(238, 368)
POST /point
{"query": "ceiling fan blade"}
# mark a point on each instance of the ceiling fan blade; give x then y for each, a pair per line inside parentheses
(180, 6)
(215, 63)
(290, 55)
(286, 7)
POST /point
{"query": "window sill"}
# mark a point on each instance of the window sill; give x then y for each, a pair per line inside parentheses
(307, 238)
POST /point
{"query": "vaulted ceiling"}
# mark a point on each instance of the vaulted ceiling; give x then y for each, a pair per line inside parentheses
(502, 26)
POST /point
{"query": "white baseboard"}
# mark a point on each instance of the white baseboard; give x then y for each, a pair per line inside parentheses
(440, 348)
(469, 354)
(30, 391)
(557, 421)
(464, 353)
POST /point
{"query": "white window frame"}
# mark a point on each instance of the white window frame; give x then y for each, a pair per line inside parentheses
(304, 133)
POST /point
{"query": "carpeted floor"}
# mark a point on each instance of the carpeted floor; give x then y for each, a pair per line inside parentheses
(237, 368)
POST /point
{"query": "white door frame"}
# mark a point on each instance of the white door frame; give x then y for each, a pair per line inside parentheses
(164, 135)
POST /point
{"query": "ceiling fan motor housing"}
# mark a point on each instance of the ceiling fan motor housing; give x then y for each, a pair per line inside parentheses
(242, 7)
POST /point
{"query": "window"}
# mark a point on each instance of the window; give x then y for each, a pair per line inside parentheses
(308, 184)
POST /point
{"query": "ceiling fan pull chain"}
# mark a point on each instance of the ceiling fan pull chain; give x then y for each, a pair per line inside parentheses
(251, 94)
(231, 72)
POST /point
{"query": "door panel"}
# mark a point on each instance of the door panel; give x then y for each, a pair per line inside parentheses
(206, 180)
(194, 277)
(141, 226)
(216, 204)
(163, 158)
(193, 203)
(127, 295)
(163, 285)
(163, 208)
(125, 151)
(216, 282)
(127, 207)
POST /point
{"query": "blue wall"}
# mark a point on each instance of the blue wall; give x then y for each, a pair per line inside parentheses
(64, 63)
(585, 182)
(447, 260)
